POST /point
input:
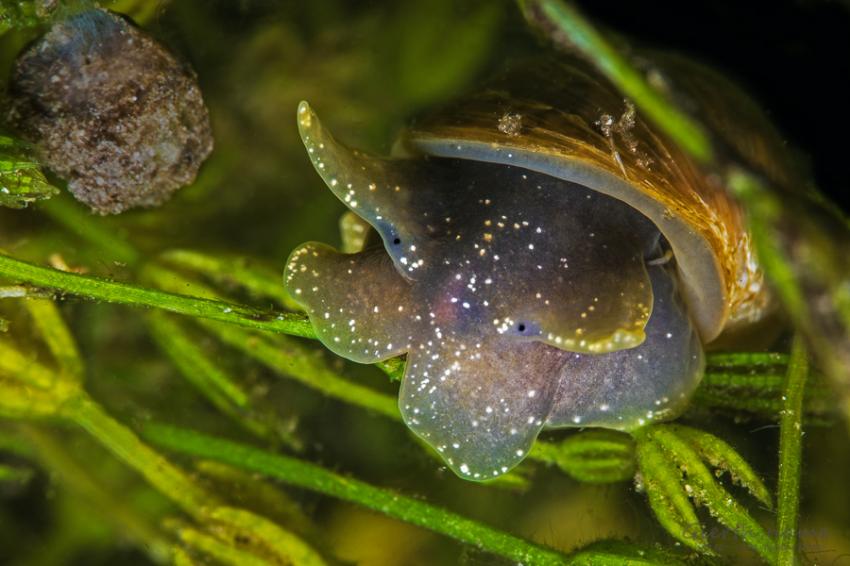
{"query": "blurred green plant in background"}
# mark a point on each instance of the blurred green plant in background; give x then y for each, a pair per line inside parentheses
(207, 428)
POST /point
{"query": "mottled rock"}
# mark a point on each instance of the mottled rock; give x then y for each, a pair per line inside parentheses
(111, 111)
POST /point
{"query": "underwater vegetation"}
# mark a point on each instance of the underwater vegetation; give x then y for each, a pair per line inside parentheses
(582, 300)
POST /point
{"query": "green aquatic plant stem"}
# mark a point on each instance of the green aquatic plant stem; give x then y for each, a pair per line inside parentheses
(124, 293)
(94, 229)
(190, 359)
(57, 336)
(129, 448)
(290, 359)
(214, 382)
(314, 478)
(23, 369)
(282, 543)
(790, 454)
(565, 25)
(231, 271)
(747, 360)
(283, 355)
(53, 453)
(704, 486)
(221, 553)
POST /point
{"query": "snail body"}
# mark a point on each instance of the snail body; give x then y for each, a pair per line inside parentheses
(547, 260)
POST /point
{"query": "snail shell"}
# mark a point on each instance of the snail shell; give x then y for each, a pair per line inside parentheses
(564, 120)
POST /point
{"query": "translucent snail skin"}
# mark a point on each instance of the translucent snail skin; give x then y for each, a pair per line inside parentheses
(545, 260)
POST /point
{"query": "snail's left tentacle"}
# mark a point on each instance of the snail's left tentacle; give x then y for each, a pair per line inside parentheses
(376, 189)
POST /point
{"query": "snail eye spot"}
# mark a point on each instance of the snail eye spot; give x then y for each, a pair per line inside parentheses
(397, 241)
(521, 327)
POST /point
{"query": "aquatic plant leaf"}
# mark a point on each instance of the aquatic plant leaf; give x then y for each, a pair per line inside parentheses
(21, 179)
(723, 457)
(16, 15)
(668, 497)
(266, 539)
(620, 553)
(593, 456)
(706, 490)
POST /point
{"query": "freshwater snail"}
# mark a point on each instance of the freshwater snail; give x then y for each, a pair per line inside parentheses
(547, 260)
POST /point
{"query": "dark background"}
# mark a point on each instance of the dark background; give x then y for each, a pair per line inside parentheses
(792, 55)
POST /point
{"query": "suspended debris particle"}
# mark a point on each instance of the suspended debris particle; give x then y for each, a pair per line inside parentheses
(510, 124)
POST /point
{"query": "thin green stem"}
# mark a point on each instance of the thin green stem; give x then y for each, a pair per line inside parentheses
(91, 228)
(309, 476)
(221, 552)
(214, 382)
(191, 360)
(124, 444)
(746, 359)
(284, 356)
(258, 281)
(565, 25)
(790, 454)
(288, 358)
(125, 293)
(282, 543)
(55, 456)
(23, 369)
(57, 336)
